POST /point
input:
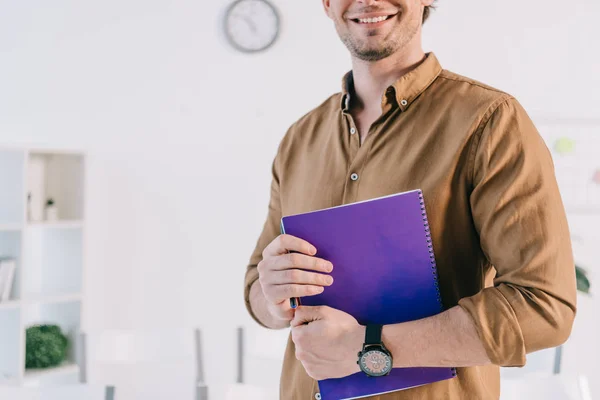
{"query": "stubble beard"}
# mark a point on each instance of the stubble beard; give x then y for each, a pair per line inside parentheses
(387, 46)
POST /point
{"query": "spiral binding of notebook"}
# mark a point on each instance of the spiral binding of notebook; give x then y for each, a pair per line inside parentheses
(430, 247)
(431, 254)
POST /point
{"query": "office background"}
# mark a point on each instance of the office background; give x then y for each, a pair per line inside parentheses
(179, 131)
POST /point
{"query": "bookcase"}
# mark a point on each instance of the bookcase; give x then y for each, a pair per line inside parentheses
(48, 280)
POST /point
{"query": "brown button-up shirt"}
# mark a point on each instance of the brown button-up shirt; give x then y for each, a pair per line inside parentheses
(497, 220)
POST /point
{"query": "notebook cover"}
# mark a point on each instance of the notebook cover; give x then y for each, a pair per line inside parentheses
(384, 273)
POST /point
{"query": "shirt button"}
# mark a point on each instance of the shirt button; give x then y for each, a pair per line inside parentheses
(318, 396)
(352, 131)
(403, 102)
(354, 177)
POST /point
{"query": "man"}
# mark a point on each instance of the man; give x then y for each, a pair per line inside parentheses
(498, 224)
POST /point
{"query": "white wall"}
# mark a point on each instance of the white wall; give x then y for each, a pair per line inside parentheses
(543, 53)
(181, 130)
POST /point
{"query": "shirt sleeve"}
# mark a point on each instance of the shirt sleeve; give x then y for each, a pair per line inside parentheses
(522, 225)
(271, 229)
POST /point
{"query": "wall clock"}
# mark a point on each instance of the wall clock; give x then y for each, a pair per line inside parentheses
(252, 25)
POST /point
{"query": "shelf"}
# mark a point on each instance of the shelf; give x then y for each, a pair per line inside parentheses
(56, 176)
(10, 305)
(55, 152)
(9, 343)
(10, 248)
(47, 247)
(54, 262)
(67, 315)
(54, 299)
(10, 227)
(12, 172)
(8, 380)
(67, 224)
(66, 368)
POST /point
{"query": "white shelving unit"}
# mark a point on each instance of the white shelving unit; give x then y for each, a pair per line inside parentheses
(48, 285)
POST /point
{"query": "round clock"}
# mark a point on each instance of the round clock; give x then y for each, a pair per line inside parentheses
(252, 25)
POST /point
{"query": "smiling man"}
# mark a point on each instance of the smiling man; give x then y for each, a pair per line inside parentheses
(497, 221)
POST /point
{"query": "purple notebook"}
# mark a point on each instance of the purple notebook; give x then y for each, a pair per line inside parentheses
(384, 273)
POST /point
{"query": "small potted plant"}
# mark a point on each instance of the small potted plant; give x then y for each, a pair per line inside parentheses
(45, 346)
(583, 282)
(51, 210)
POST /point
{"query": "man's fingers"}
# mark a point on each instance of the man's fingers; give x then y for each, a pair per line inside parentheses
(297, 276)
(286, 243)
(283, 292)
(306, 314)
(301, 261)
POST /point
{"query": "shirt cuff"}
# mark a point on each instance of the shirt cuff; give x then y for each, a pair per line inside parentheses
(251, 278)
(498, 327)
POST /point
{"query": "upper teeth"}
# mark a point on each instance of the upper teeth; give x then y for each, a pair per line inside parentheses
(372, 20)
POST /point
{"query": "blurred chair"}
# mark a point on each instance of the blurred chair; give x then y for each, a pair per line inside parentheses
(64, 392)
(541, 378)
(146, 364)
(260, 354)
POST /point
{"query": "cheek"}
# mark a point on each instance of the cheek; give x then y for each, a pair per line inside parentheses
(407, 23)
(338, 9)
(415, 11)
(340, 22)
(407, 7)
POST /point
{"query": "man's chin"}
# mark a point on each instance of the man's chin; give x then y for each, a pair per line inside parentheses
(368, 50)
(373, 54)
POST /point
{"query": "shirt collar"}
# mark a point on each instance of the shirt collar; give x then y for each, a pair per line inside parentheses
(347, 86)
(406, 89)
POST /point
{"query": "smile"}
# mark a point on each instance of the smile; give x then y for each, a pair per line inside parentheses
(372, 20)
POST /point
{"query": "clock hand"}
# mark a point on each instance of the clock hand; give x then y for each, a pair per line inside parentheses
(252, 25)
(248, 21)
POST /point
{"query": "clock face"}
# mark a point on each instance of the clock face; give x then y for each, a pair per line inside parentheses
(375, 363)
(252, 25)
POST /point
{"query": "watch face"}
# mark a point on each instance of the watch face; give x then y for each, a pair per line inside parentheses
(376, 363)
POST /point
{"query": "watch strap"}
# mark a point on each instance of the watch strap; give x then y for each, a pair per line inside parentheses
(373, 334)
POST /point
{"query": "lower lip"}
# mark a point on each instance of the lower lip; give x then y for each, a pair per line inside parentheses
(374, 24)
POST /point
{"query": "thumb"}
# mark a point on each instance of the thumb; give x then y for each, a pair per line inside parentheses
(306, 314)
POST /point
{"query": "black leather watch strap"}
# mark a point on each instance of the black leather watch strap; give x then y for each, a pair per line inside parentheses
(373, 334)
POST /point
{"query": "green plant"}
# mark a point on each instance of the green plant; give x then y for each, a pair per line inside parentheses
(45, 346)
(583, 282)
(50, 202)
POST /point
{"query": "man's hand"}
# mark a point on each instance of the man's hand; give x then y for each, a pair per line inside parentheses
(327, 341)
(283, 275)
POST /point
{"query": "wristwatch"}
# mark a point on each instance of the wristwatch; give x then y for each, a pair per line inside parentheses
(375, 359)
